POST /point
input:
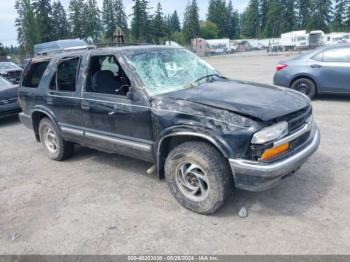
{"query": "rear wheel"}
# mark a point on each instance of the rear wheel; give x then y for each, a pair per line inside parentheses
(56, 147)
(305, 86)
(198, 176)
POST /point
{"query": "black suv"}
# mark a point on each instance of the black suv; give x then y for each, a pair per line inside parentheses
(204, 133)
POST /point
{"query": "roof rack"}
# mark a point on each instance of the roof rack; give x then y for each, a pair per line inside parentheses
(67, 49)
(112, 44)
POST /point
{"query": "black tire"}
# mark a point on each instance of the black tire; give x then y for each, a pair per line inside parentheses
(213, 165)
(305, 86)
(59, 149)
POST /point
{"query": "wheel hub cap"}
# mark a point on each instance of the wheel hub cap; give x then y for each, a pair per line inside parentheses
(303, 88)
(50, 139)
(192, 181)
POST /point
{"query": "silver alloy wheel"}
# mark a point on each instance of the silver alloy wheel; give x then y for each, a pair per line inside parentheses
(192, 181)
(50, 139)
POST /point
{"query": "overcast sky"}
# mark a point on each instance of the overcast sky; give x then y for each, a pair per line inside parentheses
(8, 34)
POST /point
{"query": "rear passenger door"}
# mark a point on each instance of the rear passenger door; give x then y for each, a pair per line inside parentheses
(63, 97)
(334, 70)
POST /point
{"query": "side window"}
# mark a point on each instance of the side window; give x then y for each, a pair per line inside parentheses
(340, 55)
(106, 76)
(34, 74)
(66, 75)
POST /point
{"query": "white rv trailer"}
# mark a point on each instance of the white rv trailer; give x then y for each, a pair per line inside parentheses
(316, 38)
(334, 38)
(294, 40)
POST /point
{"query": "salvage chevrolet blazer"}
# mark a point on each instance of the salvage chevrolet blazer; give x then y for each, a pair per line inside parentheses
(204, 133)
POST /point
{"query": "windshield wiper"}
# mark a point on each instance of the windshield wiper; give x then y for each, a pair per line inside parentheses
(192, 84)
(209, 76)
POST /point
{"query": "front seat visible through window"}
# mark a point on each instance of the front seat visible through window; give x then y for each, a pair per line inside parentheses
(105, 82)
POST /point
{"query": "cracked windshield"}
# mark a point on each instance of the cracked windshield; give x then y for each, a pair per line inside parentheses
(169, 70)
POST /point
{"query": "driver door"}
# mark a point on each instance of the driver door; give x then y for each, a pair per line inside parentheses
(116, 117)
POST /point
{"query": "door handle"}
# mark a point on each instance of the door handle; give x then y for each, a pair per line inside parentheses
(316, 66)
(85, 105)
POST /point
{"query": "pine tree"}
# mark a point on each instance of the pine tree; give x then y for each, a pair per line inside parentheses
(140, 23)
(158, 25)
(232, 22)
(339, 19)
(274, 21)
(60, 25)
(121, 17)
(191, 22)
(321, 15)
(251, 22)
(174, 23)
(108, 19)
(264, 9)
(43, 13)
(304, 13)
(289, 20)
(217, 13)
(347, 19)
(113, 16)
(92, 21)
(76, 18)
(2, 51)
(27, 27)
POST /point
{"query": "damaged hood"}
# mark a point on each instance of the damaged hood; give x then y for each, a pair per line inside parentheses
(256, 100)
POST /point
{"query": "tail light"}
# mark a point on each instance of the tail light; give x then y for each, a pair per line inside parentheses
(280, 67)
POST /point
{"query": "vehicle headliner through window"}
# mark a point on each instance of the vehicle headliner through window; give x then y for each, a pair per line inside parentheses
(168, 70)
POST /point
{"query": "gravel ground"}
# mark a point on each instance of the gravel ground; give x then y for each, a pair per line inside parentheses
(97, 203)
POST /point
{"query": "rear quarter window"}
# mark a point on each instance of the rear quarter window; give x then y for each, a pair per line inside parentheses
(337, 55)
(34, 74)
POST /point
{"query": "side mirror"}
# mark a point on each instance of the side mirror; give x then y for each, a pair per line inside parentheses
(133, 95)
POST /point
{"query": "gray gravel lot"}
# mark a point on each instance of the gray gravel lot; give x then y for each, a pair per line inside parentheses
(97, 203)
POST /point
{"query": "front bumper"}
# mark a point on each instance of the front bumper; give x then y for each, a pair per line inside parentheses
(259, 176)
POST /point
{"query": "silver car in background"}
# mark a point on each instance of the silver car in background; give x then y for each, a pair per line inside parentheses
(324, 70)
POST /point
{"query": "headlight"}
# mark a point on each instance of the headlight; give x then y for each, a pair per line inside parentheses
(271, 133)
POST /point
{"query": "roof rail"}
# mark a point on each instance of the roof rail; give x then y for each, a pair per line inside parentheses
(67, 49)
(112, 44)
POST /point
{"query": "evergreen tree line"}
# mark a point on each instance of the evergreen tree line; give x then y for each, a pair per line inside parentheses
(43, 20)
(271, 18)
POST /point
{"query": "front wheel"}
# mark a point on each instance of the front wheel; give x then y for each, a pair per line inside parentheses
(305, 86)
(198, 176)
(56, 147)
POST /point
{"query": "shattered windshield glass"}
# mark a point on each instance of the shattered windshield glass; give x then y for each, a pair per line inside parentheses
(169, 70)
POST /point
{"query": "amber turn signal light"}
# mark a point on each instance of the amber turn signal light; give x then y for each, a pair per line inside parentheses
(275, 151)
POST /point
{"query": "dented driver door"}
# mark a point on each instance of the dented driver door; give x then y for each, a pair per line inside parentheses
(118, 122)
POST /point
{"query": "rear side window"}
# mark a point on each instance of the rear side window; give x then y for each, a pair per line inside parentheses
(66, 75)
(34, 74)
(340, 55)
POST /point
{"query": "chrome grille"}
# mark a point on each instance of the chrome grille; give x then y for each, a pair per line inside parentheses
(299, 120)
